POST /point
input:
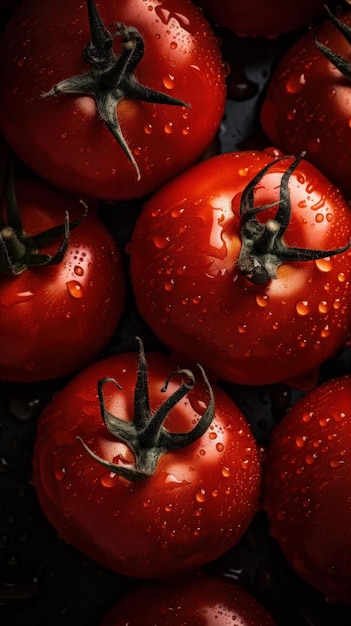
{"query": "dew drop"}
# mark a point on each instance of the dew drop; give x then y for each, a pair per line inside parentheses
(325, 332)
(225, 472)
(75, 289)
(243, 171)
(168, 128)
(302, 307)
(300, 441)
(60, 473)
(78, 270)
(219, 447)
(169, 81)
(295, 83)
(334, 463)
(323, 307)
(173, 45)
(262, 300)
(212, 435)
(148, 129)
(319, 218)
(341, 277)
(108, 480)
(324, 265)
(161, 242)
(200, 495)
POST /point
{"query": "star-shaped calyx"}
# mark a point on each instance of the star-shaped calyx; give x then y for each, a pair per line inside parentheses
(111, 78)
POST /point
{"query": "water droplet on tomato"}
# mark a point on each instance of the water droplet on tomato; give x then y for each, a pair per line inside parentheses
(169, 81)
(78, 270)
(324, 265)
(109, 480)
(300, 440)
(325, 332)
(341, 277)
(295, 83)
(168, 128)
(323, 307)
(319, 218)
(161, 242)
(200, 495)
(225, 472)
(302, 307)
(75, 289)
(60, 473)
(262, 300)
(148, 129)
(219, 447)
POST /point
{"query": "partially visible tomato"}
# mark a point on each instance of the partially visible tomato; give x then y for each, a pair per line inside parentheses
(217, 276)
(307, 104)
(142, 498)
(307, 488)
(255, 18)
(55, 318)
(134, 117)
(197, 601)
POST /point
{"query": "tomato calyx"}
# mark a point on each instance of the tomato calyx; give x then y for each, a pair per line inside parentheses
(18, 250)
(145, 435)
(342, 64)
(111, 78)
(263, 248)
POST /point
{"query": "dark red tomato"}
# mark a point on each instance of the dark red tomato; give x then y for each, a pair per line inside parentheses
(144, 499)
(217, 281)
(307, 488)
(307, 105)
(57, 127)
(197, 601)
(255, 18)
(56, 317)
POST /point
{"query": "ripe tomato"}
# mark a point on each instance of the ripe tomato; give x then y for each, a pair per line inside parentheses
(159, 96)
(307, 105)
(57, 317)
(255, 18)
(197, 601)
(206, 273)
(307, 488)
(126, 494)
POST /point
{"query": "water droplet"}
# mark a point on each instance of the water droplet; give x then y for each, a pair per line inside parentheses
(60, 473)
(341, 277)
(325, 332)
(225, 472)
(212, 435)
(324, 265)
(243, 171)
(161, 242)
(323, 307)
(78, 270)
(75, 289)
(169, 81)
(21, 62)
(319, 218)
(334, 463)
(302, 307)
(307, 417)
(148, 129)
(173, 45)
(295, 83)
(300, 441)
(200, 495)
(262, 300)
(168, 128)
(219, 447)
(245, 464)
(109, 480)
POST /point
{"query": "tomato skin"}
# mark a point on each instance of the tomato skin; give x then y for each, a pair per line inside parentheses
(306, 106)
(55, 319)
(198, 601)
(183, 265)
(194, 507)
(307, 486)
(255, 18)
(63, 139)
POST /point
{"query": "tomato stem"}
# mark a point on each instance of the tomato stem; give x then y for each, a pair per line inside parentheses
(343, 65)
(19, 251)
(263, 248)
(145, 435)
(111, 78)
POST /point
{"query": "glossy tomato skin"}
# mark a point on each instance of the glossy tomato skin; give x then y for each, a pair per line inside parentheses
(307, 105)
(307, 487)
(184, 254)
(197, 601)
(62, 137)
(255, 18)
(194, 507)
(55, 319)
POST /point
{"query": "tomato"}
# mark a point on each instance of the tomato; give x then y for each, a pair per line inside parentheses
(307, 488)
(216, 280)
(307, 105)
(255, 18)
(55, 316)
(156, 66)
(197, 601)
(140, 498)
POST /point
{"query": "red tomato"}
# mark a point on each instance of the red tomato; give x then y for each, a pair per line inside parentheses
(57, 317)
(159, 96)
(197, 601)
(307, 105)
(206, 272)
(255, 18)
(121, 490)
(308, 485)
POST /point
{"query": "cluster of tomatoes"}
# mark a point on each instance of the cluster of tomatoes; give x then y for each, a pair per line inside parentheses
(237, 265)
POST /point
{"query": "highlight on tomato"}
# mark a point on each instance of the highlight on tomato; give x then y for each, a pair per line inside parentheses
(198, 600)
(62, 281)
(307, 486)
(150, 470)
(106, 99)
(243, 264)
